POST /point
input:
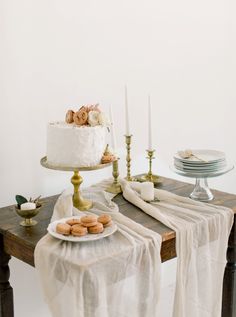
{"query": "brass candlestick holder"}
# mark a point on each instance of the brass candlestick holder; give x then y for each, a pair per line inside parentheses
(115, 187)
(128, 158)
(149, 177)
(78, 201)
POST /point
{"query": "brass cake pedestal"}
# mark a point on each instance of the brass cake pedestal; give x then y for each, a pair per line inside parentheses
(78, 201)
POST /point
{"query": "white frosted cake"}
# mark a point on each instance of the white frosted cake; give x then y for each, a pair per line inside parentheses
(78, 142)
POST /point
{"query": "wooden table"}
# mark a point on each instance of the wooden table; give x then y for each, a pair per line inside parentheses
(20, 242)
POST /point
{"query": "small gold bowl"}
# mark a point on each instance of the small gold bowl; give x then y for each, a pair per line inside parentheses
(28, 215)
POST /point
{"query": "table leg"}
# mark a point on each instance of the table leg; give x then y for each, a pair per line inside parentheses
(6, 291)
(229, 286)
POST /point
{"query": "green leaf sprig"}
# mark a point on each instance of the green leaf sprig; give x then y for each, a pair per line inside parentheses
(21, 200)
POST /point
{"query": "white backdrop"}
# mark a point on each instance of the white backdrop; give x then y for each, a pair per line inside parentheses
(59, 53)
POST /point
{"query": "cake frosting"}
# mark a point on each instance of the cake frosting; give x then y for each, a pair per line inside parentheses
(74, 145)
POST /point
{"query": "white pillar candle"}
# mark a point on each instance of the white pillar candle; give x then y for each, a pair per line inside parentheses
(28, 206)
(113, 135)
(147, 191)
(126, 112)
(149, 124)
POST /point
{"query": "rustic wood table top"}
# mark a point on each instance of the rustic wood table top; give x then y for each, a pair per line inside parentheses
(20, 241)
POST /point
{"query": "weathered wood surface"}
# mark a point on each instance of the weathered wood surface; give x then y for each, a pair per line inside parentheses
(20, 241)
(229, 285)
(6, 292)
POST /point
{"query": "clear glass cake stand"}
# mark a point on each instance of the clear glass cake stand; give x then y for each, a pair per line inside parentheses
(78, 201)
(201, 190)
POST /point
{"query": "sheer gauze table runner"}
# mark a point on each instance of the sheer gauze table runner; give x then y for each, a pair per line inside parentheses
(120, 275)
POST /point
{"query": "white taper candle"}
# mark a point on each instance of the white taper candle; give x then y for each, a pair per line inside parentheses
(126, 112)
(149, 124)
(113, 135)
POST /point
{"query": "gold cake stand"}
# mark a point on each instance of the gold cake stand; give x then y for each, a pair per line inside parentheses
(78, 201)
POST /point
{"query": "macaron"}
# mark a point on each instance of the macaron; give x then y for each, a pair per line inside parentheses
(108, 159)
(98, 228)
(78, 230)
(63, 228)
(104, 219)
(88, 221)
(73, 221)
(108, 224)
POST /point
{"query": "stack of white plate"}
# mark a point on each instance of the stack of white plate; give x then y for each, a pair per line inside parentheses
(202, 161)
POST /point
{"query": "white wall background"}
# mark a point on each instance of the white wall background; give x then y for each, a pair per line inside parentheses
(59, 53)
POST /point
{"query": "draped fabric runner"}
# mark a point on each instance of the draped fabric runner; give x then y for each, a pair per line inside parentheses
(202, 232)
(119, 276)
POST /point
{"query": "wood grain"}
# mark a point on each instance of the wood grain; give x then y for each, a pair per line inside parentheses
(27, 238)
(20, 241)
(6, 291)
(229, 285)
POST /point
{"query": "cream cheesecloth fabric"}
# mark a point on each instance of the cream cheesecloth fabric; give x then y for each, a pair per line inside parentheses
(202, 232)
(120, 275)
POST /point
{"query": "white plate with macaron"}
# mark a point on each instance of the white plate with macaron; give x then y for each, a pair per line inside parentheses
(86, 227)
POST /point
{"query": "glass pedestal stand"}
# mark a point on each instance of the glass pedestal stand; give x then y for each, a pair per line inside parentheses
(201, 190)
(78, 201)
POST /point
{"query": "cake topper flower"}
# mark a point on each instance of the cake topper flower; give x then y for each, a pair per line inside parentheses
(69, 116)
(93, 108)
(88, 115)
(103, 120)
(81, 116)
(93, 118)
